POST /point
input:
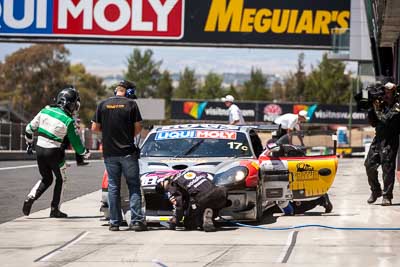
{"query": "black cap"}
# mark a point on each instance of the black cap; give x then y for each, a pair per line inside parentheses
(127, 84)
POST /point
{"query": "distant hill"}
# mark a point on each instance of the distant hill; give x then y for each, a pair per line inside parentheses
(237, 79)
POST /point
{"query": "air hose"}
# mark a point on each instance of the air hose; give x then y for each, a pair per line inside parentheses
(312, 225)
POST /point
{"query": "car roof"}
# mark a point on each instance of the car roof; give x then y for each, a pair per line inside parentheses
(215, 126)
(228, 127)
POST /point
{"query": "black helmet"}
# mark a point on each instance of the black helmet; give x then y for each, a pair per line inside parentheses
(68, 100)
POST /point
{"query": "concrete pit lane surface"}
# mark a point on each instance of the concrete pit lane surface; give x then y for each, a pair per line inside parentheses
(84, 239)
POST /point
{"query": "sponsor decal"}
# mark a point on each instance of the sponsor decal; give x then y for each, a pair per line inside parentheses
(233, 16)
(189, 175)
(162, 19)
(201, 126)
(271, 112)
(217, 111)
(194, 109)
(163, 135)
(310, 109)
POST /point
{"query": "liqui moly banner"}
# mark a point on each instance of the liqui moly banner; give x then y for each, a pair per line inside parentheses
(156, 19)
(228, 23)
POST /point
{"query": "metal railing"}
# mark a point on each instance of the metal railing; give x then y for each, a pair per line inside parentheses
(12, 137)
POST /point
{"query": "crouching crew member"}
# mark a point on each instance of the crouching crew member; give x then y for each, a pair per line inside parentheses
(54, 123)
(194, 198)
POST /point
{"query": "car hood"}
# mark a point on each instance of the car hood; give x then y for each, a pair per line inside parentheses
(210, 165)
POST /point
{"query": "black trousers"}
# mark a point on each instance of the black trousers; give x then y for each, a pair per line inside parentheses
(382, 153)
(50, 160)
(300, 207)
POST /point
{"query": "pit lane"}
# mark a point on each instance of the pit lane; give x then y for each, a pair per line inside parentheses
(83, 240)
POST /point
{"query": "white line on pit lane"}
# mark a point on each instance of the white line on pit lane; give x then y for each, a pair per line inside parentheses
(287, 250)
(35, 165)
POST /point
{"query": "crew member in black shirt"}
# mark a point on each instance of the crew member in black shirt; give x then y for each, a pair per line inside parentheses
(195, 198)
(119, 120)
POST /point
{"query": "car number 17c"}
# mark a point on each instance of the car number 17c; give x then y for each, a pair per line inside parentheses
(237, 145)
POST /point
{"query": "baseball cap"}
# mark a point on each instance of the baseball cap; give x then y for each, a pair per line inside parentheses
(127, 84)
(389, 86)
(228, 98)
(303, 113)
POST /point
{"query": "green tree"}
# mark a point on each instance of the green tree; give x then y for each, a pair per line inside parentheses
(295, 83)
(165, 90)
(232, 90)
(328, 83)
(90, 89)
(144, 71)
(212, 88)
(278, 91)
(255, 88)
(31, 77)
(187, 87)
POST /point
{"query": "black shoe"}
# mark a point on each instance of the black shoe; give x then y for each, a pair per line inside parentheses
(208, 225)
(386, 201)
(327, 204)
(113, 227)
(138, 227)
(56, 213)
(82, 163)
(26, 209)
(373, 197)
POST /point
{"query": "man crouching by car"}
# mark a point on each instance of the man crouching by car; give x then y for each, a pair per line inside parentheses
(194, 198)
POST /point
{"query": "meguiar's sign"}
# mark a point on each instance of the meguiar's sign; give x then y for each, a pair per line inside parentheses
(250, 23)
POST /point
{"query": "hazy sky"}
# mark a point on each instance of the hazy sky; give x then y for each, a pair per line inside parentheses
(111, 59)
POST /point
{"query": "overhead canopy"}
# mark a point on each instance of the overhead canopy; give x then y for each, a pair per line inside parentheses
(226, 23)
(388, 21)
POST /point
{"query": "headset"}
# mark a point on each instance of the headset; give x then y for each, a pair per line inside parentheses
(130, 89)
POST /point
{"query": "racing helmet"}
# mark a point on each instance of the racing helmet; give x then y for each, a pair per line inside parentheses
(68, 99)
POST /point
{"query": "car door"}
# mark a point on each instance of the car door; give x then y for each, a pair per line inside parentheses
(313, 173)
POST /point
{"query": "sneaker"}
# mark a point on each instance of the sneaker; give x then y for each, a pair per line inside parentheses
(327, 204)
(386, 201)
(208, 225)
(26, 209)
(138, 227)
(56, 213)
(113, 227)
(373, 197)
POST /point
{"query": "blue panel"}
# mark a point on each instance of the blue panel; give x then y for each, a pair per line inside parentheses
(19, 13)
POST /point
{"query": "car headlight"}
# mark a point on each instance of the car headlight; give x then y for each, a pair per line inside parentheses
(232, 176)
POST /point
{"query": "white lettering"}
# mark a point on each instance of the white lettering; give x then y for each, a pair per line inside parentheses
(137, 19)
(119, 23)
(22, 23)
(67, 6)
(41, 14)
(162, 12)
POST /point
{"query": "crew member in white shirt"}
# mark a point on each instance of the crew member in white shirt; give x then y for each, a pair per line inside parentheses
(291, 122)
(235, 114)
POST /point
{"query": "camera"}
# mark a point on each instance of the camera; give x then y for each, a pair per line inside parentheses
(368, 96)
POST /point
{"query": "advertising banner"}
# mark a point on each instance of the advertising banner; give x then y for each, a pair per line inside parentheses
(229, 23)
(191, 110)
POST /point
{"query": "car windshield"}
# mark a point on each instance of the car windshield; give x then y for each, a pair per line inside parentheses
(196, 143)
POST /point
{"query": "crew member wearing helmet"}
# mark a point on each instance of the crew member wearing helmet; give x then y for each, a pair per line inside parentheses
(119, 120)
(53, 123)
(194, 197)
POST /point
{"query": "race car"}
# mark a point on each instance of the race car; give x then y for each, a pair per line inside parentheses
(232, 156)
(227, 153)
